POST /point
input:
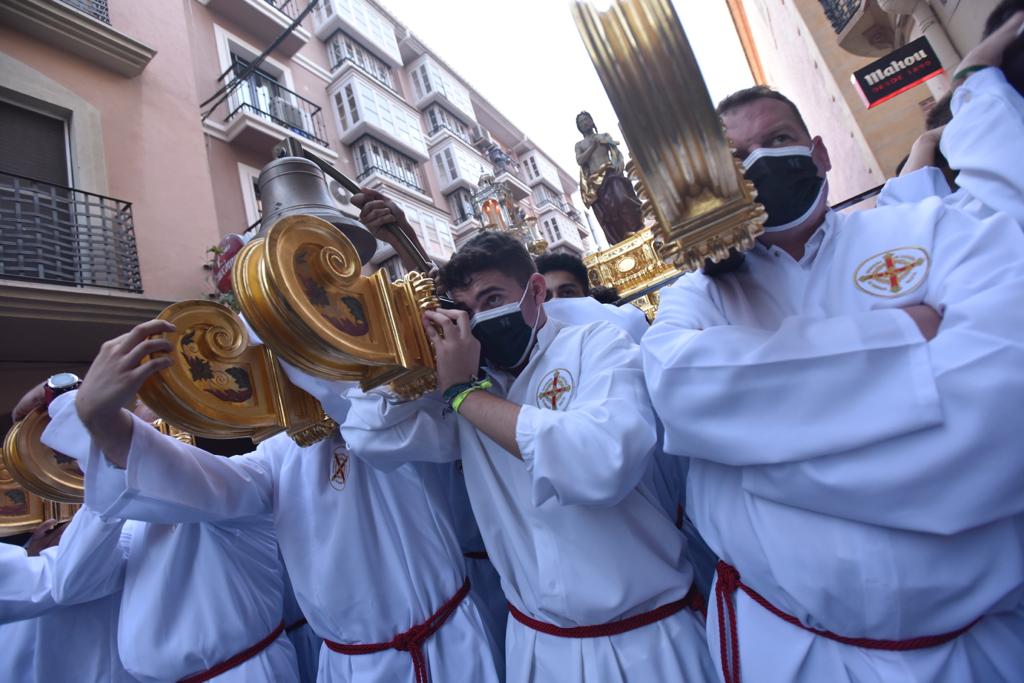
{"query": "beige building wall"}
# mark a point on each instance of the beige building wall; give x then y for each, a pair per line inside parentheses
(130, 87)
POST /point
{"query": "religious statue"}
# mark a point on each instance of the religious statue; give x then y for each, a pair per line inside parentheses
(603, 184)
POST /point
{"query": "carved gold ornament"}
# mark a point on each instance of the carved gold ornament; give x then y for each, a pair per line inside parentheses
(692, 186)
(221, 386)
(300, 288)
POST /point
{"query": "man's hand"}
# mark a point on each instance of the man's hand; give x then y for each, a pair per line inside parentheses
(388, 223)
(35, 398)
(45, 536)
(457, 350)
(923, 151)
(927, 319)
(114, 379)
(989, 52)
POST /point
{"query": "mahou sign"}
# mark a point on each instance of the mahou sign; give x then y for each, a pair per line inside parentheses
(897, 72)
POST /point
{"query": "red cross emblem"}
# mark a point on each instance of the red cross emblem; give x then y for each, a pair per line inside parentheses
(895, 272)
(339, 467)
(555, 389)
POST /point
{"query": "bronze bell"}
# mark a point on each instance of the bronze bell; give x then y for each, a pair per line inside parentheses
(293, 185)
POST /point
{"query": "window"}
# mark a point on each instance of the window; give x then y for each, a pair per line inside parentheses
(439, 118)
(342, 48)
(373, 156)
(461, 204)
(426, 79)
(260, 89)
(416, 85)
(554, 230)
(453, 170)
(532, 164)
(33, 145)
(352, 104)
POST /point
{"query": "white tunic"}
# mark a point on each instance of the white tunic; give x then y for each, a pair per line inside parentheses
(985, 143)
(575, 539)
(25, 583)
(369, 554)
(860, 478)
(194, 595)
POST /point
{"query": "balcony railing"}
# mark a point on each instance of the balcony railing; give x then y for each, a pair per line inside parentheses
(97, 9)
(381, 171)
(556, 202)
(454, 131)
(840, 12)
(289, 8)
(51, 233)
(269, 100)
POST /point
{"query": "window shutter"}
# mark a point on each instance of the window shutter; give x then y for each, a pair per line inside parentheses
(32, 145)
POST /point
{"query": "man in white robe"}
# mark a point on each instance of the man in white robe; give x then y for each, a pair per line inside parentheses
(848, 399)
(372, 557)
(198, 601)
(553, 454)
(68, 642)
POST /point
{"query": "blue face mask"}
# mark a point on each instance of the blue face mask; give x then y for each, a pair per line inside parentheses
(505, 338)
(788, 185)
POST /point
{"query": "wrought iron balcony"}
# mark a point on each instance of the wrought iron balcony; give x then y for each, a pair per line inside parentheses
(840, 12)
(289, 8)
(385, 173)
(56, 234)
(97, 9)
(452, 129)
(556, 202)
(267, 99)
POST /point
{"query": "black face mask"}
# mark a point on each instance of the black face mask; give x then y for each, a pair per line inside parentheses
(505, 338)
(787, 183)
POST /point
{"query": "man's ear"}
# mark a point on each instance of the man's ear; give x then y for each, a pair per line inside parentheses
(820, 156)
(538, 287)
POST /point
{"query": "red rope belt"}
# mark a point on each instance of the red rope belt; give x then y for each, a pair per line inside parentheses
(412, 640)
(729, 582)
(237, 660)
(612, 628)
(297, 625)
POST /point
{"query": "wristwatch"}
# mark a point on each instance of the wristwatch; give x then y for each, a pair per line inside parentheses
(58, 384)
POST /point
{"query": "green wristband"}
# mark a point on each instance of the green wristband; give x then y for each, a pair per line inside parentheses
(963, 73)
(476, 386)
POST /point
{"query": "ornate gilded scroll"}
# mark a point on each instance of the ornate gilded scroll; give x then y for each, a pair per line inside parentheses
(39, 469)
(695, 190)
(222, 386)
(301, 289)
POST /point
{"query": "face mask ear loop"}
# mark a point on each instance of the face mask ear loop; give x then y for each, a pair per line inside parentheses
(533, 330)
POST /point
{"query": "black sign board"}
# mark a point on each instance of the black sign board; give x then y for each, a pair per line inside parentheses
(897, 72)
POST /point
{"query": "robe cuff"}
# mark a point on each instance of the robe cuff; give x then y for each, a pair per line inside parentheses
(110, 489)
(990, 79)
(66, 434)
(527, 431)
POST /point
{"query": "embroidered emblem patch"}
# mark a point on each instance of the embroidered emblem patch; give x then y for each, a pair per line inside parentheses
(339, 467)
(555, 390)
(893, 273)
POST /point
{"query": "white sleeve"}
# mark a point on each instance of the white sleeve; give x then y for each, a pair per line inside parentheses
(25, 583)
(168, 481)
(90, 561)
(720, 390)
(387, 434)
(966, 471)
(596, 451)
(985, 142)
(921, 184)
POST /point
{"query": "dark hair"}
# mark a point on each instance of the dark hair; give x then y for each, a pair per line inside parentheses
(940, 114)
(605, 295)
(1000, 15)
(567, 262)
(758, 92)
(490, 250)
(580, 115)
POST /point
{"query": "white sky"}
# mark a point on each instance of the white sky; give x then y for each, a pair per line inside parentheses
(527, 58)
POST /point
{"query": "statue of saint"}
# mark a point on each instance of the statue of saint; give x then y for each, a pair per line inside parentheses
(603, 184)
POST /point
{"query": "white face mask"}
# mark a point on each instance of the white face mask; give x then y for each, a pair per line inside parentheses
(505, 338)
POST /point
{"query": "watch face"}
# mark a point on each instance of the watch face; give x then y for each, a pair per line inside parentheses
(63, 379)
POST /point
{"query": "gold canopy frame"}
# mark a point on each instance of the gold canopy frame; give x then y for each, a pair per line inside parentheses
(300, 288)
(693, 187)
(37, 468)
(222, 386)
